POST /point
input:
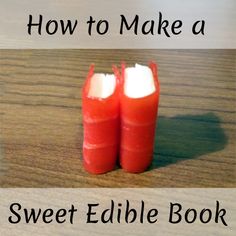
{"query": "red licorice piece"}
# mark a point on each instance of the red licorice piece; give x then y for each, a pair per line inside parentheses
(137, 130)
(101, 129)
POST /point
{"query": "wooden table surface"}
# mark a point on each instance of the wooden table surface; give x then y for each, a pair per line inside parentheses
(41, 129)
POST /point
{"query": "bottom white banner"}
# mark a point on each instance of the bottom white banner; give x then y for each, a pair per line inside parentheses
(108, 211)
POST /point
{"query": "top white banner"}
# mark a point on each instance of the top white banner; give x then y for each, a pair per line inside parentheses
(106, 24)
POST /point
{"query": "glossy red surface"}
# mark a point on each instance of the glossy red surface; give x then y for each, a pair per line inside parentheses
(101, 129)
(138, 121)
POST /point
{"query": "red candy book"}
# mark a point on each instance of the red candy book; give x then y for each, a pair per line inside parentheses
(139, 100)
(100, 108)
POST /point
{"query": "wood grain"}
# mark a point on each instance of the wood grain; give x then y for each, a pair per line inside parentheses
(41, 128)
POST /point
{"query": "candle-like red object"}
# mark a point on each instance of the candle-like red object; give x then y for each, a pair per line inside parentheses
(100, 107)
(139, 100)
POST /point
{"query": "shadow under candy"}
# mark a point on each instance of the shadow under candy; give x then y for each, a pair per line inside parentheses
(186, 137)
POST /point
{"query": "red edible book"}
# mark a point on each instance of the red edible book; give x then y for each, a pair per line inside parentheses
(139, 100)
(100, 108)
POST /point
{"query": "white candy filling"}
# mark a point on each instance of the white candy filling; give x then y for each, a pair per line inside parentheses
(102, 85)
(139, 81)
